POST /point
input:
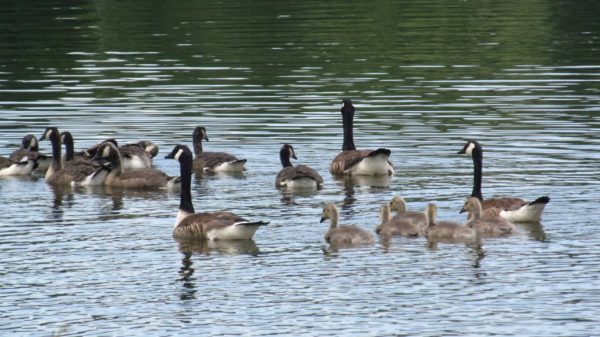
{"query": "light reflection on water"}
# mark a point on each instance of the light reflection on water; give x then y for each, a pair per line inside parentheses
(102, 261)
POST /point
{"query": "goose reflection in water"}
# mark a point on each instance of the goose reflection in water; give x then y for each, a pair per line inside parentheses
(226, 247)
(350, 183)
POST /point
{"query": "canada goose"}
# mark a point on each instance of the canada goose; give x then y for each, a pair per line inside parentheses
(220, 225)
(513, 209)
(140, 178)
(417, 218)
(343, 235)
(443, 230)
(11, 168)
(485, 223)
(298, 177)
(213, 161)
(134, 156)
(359, 162)
(69, 173)
(66, 138)
(30, 148)
(395, 226)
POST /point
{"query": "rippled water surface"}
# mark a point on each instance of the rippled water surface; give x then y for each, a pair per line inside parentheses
(521, 77)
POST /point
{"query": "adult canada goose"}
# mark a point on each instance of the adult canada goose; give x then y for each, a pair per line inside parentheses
(12, 168)
(485, 223)
(213, 161)
(298, 177)
(136, 179)
(417, 218)
(343, 235)
(395, 226)
(446, 230)
(134, 156)
(30, 148)
(513, 209)
(66, 138)
(69, 173)
(219, 225)
(359, 162)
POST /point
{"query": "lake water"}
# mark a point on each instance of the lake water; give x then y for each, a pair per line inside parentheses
(522, 77)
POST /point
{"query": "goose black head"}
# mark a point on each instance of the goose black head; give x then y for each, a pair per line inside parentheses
(50, 133)
(30, 143)
(179, 152)
(200, 133)
(471, 148)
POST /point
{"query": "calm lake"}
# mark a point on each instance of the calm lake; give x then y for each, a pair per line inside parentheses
(522, 77)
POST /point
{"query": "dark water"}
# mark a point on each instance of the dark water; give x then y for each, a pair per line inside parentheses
(522, 77)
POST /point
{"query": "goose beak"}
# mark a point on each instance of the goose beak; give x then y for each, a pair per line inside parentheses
(206, 138)
(169, 156)
(461, 152)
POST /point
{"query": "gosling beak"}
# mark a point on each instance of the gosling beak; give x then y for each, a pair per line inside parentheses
(462, 210)
(322, 219)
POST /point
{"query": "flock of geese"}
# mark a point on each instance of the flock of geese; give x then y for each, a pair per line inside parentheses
(130, 166)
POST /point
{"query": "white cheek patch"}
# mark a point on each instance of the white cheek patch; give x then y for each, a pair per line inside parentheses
(48, 133)
(178, 154)
(470, 148)
(106, 152)
(32, 143)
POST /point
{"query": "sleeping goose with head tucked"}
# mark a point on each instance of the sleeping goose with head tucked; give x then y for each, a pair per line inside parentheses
(220, 225)
(358, 162)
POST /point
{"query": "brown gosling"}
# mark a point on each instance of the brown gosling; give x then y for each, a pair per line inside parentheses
(343, 235)
(395, 226)
(444, 230)
(417, 218)
(485, 222)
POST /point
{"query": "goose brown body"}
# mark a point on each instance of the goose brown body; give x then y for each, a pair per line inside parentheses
(511, 208)
(299, 176)
(358, 162)
(135, 179)
(213, 161)
(219, 225)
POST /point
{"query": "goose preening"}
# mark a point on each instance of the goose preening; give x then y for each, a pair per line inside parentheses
(343, 235)
(359, 162)
(446, 230)
(512, 209)
(140, 178)
(220, 225)
(134, 156)
(296, 177)
(30, 148)
(213, 161)
(398, 204)
(11, 168)
(395, 226)
(70, 173)
(485, 223)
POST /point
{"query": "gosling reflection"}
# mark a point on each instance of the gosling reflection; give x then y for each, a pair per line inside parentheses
(350, 183)
(226, 247)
